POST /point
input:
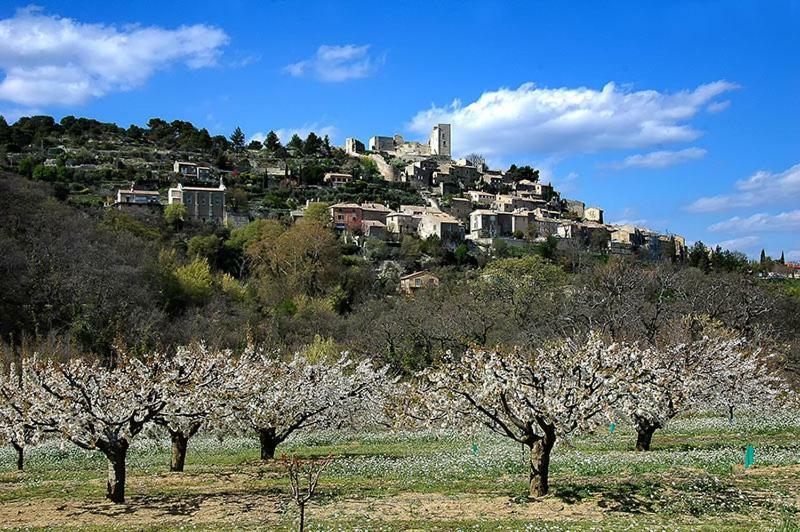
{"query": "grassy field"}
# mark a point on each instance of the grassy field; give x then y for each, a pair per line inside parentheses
(692, 479)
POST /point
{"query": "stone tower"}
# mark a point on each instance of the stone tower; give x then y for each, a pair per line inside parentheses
(440, 140)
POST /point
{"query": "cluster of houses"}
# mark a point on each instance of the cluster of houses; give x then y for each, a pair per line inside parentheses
(526, 210)
(464, 204)
(482, 218)
(379, 221)
(203, 203)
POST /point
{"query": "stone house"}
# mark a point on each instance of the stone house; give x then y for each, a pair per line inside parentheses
(346, 216)
(480, 198)
(532, 189)
(350, 216)
(204, 204)
(374, 229)
(465, 175)
(378, 143)
(402, 223)
(574, 208)
(191, 170)
(420, 173)
(593, 214)
(508, 203)
(138, 197)
(135, 201)
(441, 225)
(460, 208)
(335, 179)
(417, 281)
(483, 223)
(353, 146)
(375, 212)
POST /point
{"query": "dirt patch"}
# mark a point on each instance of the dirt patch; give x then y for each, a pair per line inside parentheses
(139, 511)
(419, 506)
(269, 510)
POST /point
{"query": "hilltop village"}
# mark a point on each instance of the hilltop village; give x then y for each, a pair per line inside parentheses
(463, 201)
(399, 215)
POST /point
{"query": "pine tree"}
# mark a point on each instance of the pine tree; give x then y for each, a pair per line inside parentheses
(237, 139)
(763, 257)
(312, 145)
(295, 143)
(782, 259)
(272, 143)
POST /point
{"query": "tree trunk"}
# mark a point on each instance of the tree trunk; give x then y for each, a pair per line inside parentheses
(540, 462)
(644, 435)
(269, 441)
(116, 453)
(20, 455)
(179, 443)
(302, 517)
(730, 414)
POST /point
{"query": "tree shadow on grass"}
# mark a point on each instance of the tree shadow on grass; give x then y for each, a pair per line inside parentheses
(174, 505)
(626, 497)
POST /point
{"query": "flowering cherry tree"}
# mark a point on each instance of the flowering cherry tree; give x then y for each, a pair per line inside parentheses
(532, 398)
(278, 397)
(716, 370)
(16, 425)
(195, 381)
(742, 377)
(95, 407)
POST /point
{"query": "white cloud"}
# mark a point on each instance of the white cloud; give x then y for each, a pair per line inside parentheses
(47, 59)
(659, 159)
(760, 188)
(785, 221)
(744, 244)
(285, 134)
(334, 63)
(530, 119)
(637, 223)
(718, 107)
(793, 255)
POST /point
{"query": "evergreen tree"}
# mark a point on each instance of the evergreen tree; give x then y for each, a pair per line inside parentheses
(272, 143)
(295, 144)
(763, 256)
(237, 139)
(782, 259)
(312, 145)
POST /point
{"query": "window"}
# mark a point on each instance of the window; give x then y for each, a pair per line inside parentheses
(202, 201)
(418, 282)
(188, 200)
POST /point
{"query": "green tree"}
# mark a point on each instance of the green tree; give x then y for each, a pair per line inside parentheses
(195, 281)
(205, 247)
(462, 254)
(312, 144)
(272, 143)
(176, 214)
(295, 144)
(698, 257)
(26, 167)
(516, 173)
(303, 260)
(318, 212)
(237, 139)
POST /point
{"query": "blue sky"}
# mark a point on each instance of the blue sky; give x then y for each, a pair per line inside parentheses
(680, 116)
